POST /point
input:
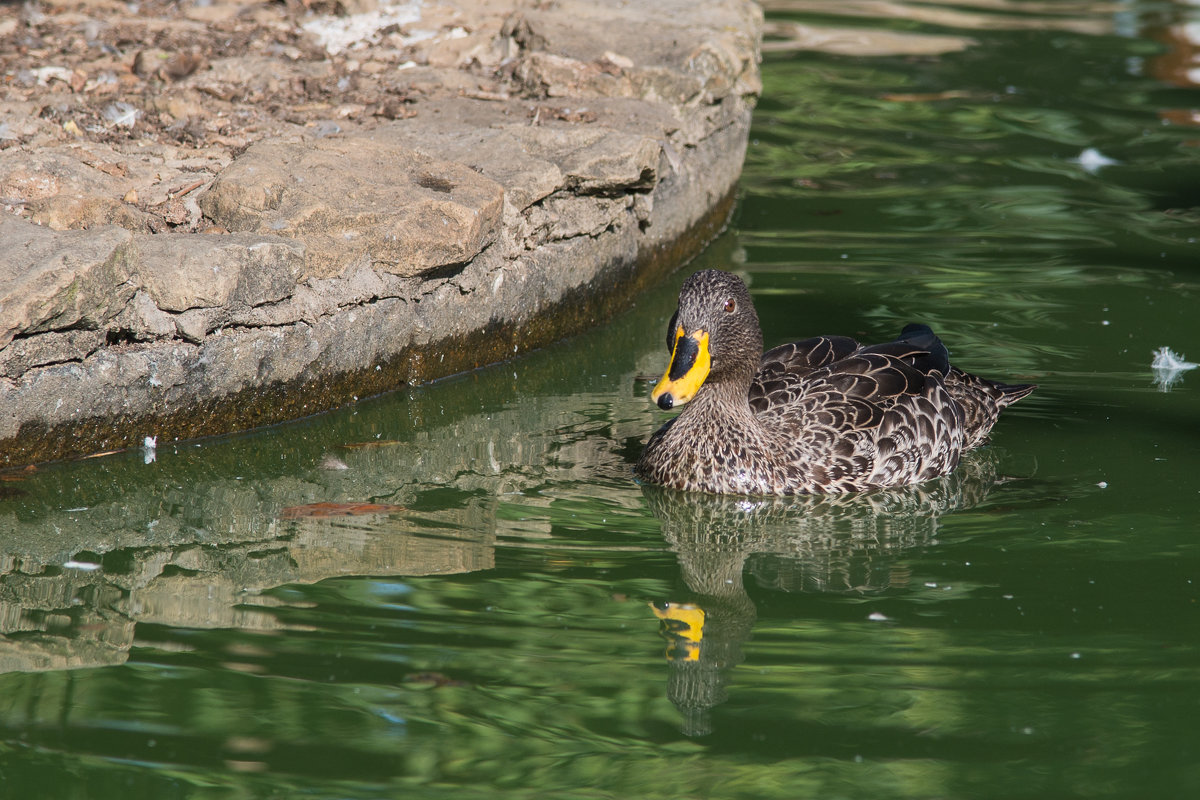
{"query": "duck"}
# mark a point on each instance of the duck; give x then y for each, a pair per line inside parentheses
(822, 415)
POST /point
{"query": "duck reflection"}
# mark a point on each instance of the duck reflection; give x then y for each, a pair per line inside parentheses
(811, 543)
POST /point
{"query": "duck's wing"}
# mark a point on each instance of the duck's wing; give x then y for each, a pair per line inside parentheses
(842, 370)
(919, 347)
(797, 359)
(854, 417)
(868, 419)
(865, 384)
(784, 368)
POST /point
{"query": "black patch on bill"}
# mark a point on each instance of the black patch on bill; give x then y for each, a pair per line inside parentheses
(686, 350)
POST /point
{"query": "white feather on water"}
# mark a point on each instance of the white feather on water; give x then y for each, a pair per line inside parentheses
(1092, 160)
(1169, 367)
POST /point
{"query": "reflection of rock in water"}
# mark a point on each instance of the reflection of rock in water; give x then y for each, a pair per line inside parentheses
(815, 543)
(193, 545)
(86, 615)
(193, 539)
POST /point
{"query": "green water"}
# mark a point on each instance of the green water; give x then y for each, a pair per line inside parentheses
(176, 628)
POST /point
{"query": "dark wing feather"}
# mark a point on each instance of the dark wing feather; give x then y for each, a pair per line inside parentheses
(830, 371)
(800, 358)
(783, 367)
(937, 357)
(873, 376)
(919, 347)
(849, 394)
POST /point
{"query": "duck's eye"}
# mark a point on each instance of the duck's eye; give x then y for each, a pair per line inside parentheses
(730, 306)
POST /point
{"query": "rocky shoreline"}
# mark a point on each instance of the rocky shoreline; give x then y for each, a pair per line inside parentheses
(222, 215)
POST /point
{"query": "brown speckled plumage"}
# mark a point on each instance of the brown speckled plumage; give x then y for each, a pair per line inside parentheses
(822, 415)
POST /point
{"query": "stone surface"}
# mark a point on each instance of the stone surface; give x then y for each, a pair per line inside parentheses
(232, 215)
(51, 281)
(226, 272)
(354, 199)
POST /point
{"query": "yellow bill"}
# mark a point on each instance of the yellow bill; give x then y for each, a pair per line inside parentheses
(690, 362)
(682, 624)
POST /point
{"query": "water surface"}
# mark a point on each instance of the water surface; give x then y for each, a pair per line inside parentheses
(214, 620)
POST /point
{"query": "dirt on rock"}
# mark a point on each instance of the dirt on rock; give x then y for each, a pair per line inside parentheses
(157, 98)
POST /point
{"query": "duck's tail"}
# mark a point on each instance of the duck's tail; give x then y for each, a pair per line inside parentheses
(982, 401)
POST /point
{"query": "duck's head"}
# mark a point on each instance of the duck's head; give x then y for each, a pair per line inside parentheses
(714, 336)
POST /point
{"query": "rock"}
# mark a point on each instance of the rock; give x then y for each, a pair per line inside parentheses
(59, 280)
(88, 185)
(566, 217)
(194, 323)
(200, 271)
(481, 136)
(596, 160)
(357, 199)
(141, 320)
(673, 59)
(408, 207)
(545, 168)
(56, 190)
(20, 356)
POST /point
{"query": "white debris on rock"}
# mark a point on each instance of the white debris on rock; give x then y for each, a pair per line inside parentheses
(337, 34)
(331, 462)
(123, 115)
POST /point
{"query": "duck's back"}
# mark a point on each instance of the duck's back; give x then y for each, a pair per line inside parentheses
(850, 417)
(854, 417)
